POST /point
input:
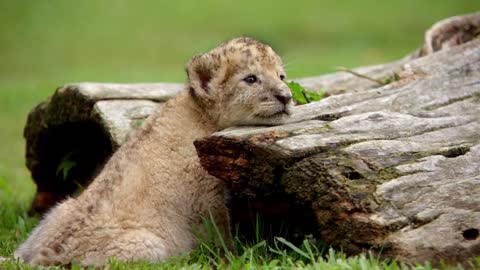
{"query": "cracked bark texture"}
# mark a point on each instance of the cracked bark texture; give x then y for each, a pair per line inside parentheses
(391, 168)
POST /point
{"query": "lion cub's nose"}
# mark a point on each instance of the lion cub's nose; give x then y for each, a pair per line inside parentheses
(283, 96)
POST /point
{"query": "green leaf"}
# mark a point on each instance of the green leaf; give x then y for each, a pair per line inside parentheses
(303, 96)
(297, 92)
(314, 96)
(65, 165)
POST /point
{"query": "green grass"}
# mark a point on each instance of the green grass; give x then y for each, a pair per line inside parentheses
(280, 254)
(44, 44)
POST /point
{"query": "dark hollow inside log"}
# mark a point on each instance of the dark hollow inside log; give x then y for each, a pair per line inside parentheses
(255, 219)
(71, 155)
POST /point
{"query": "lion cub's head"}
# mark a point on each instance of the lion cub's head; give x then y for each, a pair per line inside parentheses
(240, 83)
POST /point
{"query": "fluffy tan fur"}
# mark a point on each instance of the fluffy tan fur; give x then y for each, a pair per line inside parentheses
(153, 191)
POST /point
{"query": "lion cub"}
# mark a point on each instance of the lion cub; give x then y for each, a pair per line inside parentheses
(153, 190)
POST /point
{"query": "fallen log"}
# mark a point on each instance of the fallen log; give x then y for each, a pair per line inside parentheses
(388, 167)
(391, 168)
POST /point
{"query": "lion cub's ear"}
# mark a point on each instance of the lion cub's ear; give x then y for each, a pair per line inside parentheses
(200, 71)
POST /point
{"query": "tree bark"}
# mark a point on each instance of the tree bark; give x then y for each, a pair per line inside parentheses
(392, 168)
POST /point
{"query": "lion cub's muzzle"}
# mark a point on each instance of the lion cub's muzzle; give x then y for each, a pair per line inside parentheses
(284, 96)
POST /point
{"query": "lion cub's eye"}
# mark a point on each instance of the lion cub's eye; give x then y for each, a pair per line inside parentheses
(250, 79)
(282, 77)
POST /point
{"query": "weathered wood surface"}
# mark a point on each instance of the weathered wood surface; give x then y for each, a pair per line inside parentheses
(391, 167)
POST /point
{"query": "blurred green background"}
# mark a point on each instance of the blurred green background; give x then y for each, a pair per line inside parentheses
(44, 44)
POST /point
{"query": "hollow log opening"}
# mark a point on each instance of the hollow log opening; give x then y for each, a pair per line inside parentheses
(254, 219)
(68, 157)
